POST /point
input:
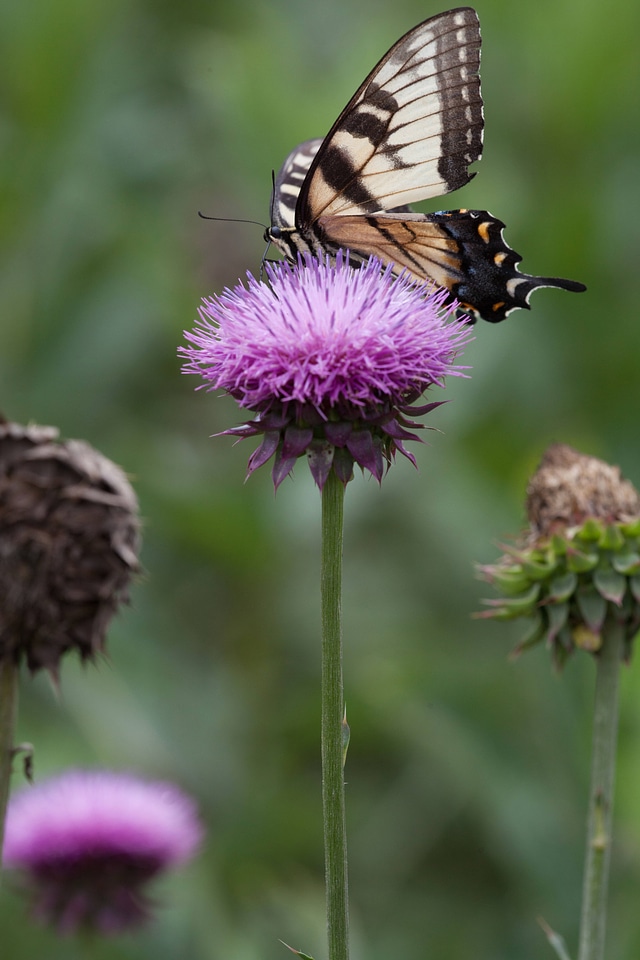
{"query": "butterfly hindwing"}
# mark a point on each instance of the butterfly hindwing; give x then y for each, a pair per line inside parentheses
(488, 283)
(409, 133)
(461, 250)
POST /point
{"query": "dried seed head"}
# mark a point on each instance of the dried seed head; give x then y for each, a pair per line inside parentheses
(569, 487)
(69, 540)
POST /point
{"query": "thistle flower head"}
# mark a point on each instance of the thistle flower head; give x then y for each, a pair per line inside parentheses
(330, 360)
(69, 538)
(86, 844)
(579, 562)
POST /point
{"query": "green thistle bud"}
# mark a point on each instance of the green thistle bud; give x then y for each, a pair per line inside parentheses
(579, 562)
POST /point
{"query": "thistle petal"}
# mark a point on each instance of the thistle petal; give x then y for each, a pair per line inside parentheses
(400, 448)
(264, 452)
(321, 455)
(338, 432)
(296, 440)
(282, 467)
(592, 606)
(361, 447)
(393, 429)
(343, 465)
(610, 585)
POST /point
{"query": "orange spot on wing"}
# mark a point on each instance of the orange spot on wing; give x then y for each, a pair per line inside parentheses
(483, 230)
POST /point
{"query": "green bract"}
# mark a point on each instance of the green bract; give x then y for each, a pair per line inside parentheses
(567, 585)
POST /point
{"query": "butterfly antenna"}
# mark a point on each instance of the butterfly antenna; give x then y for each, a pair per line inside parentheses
(271, 208)
(203, 216)
(273, 195)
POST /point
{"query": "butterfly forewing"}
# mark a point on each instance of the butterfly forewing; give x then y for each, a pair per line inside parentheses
(411, 130)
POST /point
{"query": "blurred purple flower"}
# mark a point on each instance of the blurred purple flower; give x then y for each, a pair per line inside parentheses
(87, 843)
(330, 359)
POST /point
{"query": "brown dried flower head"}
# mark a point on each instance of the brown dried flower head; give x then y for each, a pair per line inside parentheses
(568, 487)
(69, 541)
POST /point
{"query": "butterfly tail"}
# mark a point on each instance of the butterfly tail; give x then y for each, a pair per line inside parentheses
(491, 285)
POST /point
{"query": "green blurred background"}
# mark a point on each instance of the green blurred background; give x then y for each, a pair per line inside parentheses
(467, 774)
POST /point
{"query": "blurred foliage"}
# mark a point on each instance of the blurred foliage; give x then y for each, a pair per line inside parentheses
(466, 774)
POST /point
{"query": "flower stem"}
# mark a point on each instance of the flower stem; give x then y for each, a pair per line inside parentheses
(603, 759)
(333, 806)
(8, 715)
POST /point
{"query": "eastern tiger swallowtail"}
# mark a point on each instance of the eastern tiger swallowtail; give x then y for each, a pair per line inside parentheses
(409, 133)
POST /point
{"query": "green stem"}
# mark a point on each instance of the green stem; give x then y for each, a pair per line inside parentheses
(603, 760)
(8, 715)
(333, 806)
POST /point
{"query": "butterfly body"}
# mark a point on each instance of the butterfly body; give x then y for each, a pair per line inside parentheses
(409, 133)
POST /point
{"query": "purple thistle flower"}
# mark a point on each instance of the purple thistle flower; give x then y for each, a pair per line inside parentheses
(88, 842)
(330, 359)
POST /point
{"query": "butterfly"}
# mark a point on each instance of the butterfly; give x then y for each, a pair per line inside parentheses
(409, 133)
